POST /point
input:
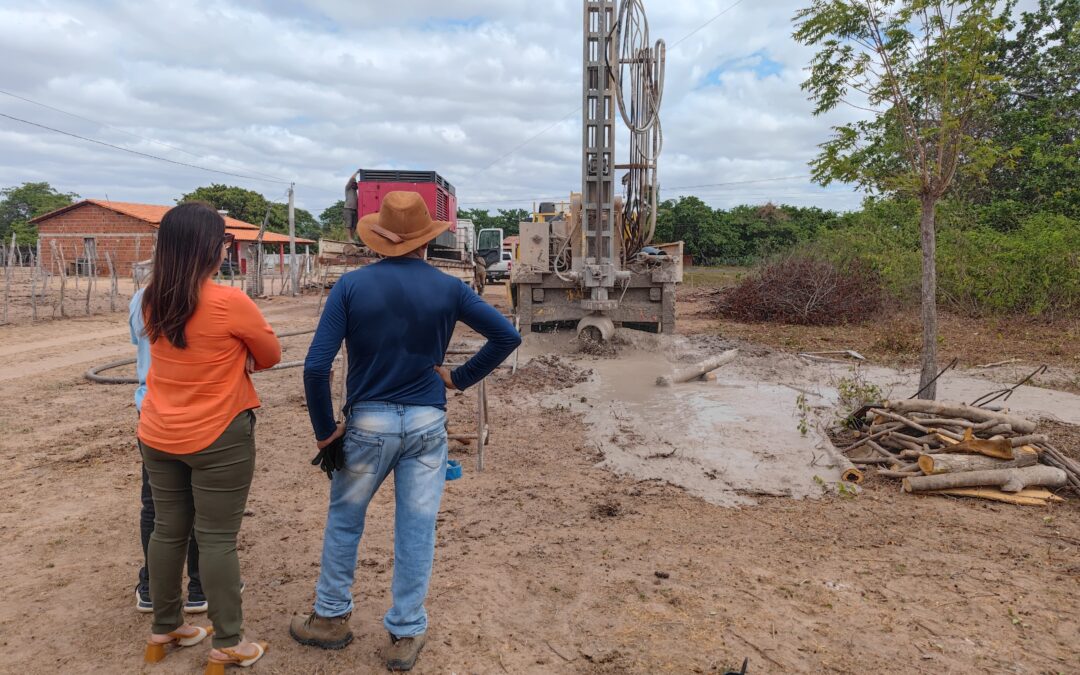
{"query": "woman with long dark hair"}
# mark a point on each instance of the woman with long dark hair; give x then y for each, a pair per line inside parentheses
(196, 431)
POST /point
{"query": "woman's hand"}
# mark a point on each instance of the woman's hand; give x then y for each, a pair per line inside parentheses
(249, 364)
(448, 381)
(338, 433)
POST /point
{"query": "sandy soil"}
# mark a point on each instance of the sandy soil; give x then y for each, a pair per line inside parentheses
(1012, 346)
(547, 562)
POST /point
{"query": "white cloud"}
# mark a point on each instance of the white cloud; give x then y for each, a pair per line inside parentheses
(309, 91)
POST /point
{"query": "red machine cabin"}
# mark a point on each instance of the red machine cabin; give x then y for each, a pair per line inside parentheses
(438, 194)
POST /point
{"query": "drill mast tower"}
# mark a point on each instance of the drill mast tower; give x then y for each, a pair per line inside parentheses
(595, 265)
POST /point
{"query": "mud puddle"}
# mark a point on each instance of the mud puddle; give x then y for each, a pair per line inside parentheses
(727, 441)
(753, 432)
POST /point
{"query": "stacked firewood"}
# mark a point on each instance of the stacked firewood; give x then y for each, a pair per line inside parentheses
(951, 448)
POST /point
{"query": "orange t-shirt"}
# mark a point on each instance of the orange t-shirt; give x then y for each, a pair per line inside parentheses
(193, 394)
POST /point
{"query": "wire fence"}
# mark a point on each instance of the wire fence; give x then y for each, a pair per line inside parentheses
(77, 280)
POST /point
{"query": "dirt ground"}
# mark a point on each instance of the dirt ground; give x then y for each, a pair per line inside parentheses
(1013, 347)
(545, 562)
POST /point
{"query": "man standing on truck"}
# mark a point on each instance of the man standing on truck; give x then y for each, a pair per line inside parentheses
(397, 317)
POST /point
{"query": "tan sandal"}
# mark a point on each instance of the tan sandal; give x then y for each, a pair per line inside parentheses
(155, 651)
(217, 666)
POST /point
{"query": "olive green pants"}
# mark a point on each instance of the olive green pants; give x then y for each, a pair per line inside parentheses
(207, 489)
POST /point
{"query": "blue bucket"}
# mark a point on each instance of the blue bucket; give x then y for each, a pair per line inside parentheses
(453, 469)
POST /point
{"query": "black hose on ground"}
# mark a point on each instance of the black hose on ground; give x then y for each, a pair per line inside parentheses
(95, 376)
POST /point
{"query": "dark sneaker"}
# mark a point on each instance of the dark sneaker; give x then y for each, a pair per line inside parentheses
(142, 600)
(403, 651)
(320, 631)
(196, 601)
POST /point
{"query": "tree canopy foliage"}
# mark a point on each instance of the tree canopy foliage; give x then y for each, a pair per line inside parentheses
(251, 207)
(507, 219)
(924, 70)
(29, 200)
(1036, 116)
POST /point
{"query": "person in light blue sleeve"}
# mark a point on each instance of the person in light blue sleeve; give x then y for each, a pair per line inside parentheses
(196, 600)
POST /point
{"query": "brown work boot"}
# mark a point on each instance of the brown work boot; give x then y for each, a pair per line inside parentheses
(403, 651)
(320, 631)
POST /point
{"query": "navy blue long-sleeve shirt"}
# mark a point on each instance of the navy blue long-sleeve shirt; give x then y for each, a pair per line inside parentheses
(397, 317)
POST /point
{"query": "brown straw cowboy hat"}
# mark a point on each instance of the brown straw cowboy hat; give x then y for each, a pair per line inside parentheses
(402, 225)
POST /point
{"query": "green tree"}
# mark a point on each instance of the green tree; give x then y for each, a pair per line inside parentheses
(480, 217)
(246, 205)
(29, 200)
(702, 230)
(1035, 115)
(250, 207)
(306, 225)
(507, 219)
(924, 70)
(510, 219)
(333, 216)
(332, 220)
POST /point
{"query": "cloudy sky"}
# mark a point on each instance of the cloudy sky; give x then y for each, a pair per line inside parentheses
(310, 91)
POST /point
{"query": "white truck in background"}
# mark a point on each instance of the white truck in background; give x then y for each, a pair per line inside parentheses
(500, 271)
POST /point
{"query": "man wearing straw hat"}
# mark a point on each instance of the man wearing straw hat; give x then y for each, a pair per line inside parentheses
(397, 317)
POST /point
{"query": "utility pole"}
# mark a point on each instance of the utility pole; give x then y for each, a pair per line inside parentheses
(293, 277)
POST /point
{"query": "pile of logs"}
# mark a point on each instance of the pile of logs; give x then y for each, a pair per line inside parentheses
(950, 448)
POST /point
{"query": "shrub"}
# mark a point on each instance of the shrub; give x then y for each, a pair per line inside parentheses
(806, 290)
(1031, 266)
(1034, 269)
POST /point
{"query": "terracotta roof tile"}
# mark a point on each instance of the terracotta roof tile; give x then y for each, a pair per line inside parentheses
(152, 214)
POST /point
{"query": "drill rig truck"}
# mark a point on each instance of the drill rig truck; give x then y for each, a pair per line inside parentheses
(595, 265)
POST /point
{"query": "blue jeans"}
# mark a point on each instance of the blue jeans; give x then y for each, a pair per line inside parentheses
(380, 438)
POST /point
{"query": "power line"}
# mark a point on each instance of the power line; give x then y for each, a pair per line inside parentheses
(115, 128)
(551, 126)
(735, 182)
(144, 154)
(707, 23)
(258, 175)
(667, 189)
(530, 139)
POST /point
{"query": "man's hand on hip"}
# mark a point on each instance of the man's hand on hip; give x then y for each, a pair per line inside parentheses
(448, 381)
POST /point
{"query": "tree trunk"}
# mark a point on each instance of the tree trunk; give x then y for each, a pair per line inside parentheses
(1026, 497)
(698, 369)
(935, 464)
(928, 237)
(971, 413)
(1009, 480)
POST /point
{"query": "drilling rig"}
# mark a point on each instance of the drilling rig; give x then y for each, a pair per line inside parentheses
(595, 264)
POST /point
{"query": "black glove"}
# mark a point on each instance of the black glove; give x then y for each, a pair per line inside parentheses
(332, 457)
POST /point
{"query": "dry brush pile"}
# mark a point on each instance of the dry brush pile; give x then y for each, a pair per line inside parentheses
(804, 290)
(939, 447)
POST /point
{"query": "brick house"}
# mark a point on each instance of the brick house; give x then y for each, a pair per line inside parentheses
(82, 233)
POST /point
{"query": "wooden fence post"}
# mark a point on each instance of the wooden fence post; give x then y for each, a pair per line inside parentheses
(89, 276)
(33, 289)
(61, 263)
(48, 275)
(134, 265)
(7, 277)
(112, 279)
